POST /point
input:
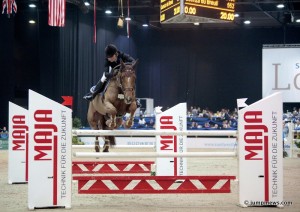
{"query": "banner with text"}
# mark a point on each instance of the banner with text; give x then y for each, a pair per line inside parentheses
(18, 142)
(173, 119)
(281, 72)
(50, 147)
(260, 152)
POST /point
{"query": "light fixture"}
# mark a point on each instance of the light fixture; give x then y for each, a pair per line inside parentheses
(236, 15)
(86, 3)
(145, 25)
(196, 23)
(32, 5)
(247, 22)
(31, 21)
(127, 19)
(108, 12)
(280, 6)
(298, 20)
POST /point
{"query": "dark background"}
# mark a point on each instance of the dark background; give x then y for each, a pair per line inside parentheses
(203, 67)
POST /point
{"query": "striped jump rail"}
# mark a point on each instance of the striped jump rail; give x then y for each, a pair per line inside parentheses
(153, 184)
(111, 167)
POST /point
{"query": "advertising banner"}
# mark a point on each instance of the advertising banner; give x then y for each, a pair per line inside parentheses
(281, 73)
(173, 119)
(50, 147)
(18, 142)
(261, 152)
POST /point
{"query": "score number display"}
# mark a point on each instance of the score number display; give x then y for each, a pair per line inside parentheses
(222, 10)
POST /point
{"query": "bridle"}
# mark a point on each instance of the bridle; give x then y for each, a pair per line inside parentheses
(127, 73)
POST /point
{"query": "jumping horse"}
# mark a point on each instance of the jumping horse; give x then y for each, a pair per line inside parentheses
(106, 110)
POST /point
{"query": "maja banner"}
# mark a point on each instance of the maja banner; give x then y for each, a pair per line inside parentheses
(50, 147)
(173, 119)
(260, 152)
(281, 73)
(18, 142)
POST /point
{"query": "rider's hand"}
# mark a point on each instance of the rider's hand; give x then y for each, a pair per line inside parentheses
(108, 75)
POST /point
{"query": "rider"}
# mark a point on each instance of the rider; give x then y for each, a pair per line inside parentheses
(113, 58)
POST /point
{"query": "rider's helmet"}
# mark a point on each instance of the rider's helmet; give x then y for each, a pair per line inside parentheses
(110, 50)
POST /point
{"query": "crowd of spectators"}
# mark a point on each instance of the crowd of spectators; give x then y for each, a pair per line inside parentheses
(197, 119)
(205, 119)
(292, 117)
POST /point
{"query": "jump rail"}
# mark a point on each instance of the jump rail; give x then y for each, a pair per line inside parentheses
(117, 146)
(152, 154)
(232, 133)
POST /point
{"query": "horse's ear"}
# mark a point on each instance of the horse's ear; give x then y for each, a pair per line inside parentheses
(135, 64)
(122, 65)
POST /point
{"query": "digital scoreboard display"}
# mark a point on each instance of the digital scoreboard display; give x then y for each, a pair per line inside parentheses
(188, 11)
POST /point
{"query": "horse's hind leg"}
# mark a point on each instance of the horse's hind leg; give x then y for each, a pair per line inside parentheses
(106, 144)
(97, 146)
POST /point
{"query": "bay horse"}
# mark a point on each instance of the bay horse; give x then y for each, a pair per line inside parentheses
(106, 111)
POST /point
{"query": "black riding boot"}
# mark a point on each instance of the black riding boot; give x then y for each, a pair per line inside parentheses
(94, 91)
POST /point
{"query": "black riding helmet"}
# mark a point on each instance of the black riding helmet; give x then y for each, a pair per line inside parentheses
(110, 50)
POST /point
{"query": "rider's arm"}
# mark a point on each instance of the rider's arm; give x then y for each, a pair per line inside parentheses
(106, 71)
(127, 58)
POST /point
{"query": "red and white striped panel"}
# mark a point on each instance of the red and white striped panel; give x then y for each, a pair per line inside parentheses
(117, 167)
(153, 184)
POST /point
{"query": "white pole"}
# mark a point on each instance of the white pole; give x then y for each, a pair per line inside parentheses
(232, 133)
(152, 154)
(116, 146)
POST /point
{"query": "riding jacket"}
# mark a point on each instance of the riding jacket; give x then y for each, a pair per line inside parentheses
(121, 56)
(110, 65)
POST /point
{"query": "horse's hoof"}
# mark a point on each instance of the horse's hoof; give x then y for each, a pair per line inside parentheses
(106, 149)
(129, 124)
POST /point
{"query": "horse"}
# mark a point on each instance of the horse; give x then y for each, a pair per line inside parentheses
(106, 111)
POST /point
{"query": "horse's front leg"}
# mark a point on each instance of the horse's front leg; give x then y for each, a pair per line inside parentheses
(112, 112)
(112, 123)
(132, 109)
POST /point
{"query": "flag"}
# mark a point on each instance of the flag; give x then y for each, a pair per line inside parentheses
(128, 15)
(95, 25)
(56, 12)
(241, 102)
(68, 101)
(10, 6)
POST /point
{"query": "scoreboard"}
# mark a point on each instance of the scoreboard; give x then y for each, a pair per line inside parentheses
(189, 11)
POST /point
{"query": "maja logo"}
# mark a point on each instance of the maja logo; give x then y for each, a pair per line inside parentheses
(256, 135)
(168, 142)
(45, 134)
(19, 133)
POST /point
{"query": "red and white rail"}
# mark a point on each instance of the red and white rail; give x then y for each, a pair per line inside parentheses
(153, 184)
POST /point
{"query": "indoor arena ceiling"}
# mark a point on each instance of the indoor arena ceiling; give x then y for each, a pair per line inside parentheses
(261, 13)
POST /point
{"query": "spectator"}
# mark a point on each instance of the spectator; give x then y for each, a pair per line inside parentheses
(151, 123)
(142, 122)
(4, 133)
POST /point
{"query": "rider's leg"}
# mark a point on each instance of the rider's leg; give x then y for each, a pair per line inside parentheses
(94, 91)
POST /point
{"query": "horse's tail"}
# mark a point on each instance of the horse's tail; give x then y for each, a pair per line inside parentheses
(112, 140)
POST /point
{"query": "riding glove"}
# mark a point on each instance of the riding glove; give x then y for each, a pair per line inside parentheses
(108, 75)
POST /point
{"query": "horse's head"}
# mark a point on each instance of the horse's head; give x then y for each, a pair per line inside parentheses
(127, 81)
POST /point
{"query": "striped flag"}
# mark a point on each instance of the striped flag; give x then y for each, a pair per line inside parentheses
(56, 12)
(10, 6)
